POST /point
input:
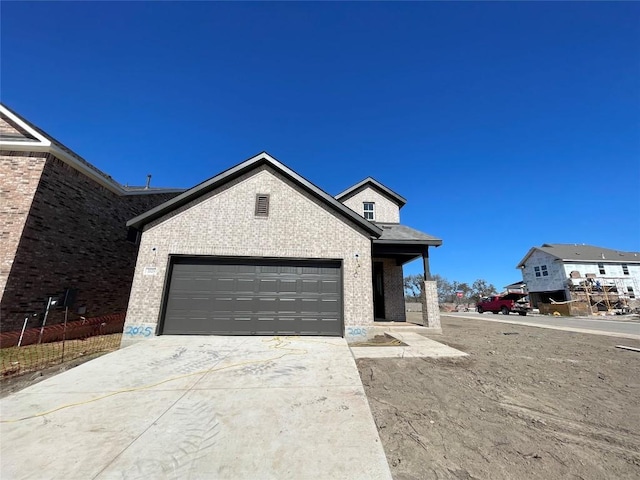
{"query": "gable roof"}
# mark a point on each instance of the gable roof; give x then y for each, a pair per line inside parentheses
(19, 135)
(248, 165)
(568, 252)
(371, 182)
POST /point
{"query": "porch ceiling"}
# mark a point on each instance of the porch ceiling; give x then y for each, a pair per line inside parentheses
(401, 253)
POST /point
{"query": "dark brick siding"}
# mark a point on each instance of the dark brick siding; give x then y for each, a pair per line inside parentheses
(74, 237)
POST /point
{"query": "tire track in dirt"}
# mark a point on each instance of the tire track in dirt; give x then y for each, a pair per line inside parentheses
(581, 433)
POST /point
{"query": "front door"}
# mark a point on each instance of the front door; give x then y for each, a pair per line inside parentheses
(378, 290)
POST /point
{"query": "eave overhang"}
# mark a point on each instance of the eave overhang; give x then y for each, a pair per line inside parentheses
(248, 165)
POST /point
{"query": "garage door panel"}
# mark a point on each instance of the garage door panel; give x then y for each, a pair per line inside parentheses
(269, 285)
(267, 305)
(244, 305)
(245, 269)
(186, 303)
(259, 297)
(269, 269)
(329, 286)
(192, 284)
(223, 304)
(288, 306)
(309, 306)
(329, 306)
(310, 286)
(288, 285)
(223, 285)
(245, 285)
(221, 269)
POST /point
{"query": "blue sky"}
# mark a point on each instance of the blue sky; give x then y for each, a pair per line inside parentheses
(505, 125)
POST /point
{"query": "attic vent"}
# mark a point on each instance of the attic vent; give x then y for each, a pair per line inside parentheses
(262, 205)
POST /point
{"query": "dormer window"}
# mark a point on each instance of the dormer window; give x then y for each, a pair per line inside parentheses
(368, 210)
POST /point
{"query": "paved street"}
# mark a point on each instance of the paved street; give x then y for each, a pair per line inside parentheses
(604, 326)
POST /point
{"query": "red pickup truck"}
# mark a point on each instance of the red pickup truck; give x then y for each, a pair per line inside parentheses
(505, 304)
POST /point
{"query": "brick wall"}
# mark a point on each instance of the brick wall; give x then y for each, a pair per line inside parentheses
(385, 209)
(73, 237)
(222, 222)
(19, 177)
(430, 307)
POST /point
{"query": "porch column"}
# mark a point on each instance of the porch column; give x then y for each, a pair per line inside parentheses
(429, 297)
(425, 264)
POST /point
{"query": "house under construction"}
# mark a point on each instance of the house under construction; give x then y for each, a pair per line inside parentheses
(582, 279)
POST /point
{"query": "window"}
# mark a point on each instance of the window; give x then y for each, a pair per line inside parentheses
(631, 292)
(601, 268)
(368, 210)
(262, 205)
(625, 269)
(541, 271)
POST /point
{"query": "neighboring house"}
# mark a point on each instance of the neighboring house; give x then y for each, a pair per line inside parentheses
(564, 272)
(62, 228)
(258, 249)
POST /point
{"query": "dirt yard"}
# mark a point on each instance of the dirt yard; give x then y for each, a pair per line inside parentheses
(528, 403)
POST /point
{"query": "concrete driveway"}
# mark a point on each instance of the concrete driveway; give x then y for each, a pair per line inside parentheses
(188, 407)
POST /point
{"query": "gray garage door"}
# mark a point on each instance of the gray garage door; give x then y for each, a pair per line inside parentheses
(258, 297)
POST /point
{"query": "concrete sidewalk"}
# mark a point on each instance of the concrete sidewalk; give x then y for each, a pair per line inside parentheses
(417, 346)
(198, 408)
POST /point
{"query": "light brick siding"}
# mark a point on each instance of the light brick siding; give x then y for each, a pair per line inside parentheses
(222, 223)
(385, 209)
(394, 308)
(430, 307)
(74, 236)
(11, 131)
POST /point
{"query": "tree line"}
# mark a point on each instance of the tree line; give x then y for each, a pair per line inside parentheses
(448, 291)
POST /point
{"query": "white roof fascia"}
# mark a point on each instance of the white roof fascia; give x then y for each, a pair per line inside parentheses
(44, 144)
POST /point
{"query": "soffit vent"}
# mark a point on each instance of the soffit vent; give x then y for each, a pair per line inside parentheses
(262, 205)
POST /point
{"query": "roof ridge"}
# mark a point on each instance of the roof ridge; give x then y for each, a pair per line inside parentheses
(399, 199)
(241, 168)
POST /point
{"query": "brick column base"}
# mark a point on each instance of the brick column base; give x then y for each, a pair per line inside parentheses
(430, 307)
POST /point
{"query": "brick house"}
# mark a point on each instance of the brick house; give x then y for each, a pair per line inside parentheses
(62, 227)
(258, 249)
